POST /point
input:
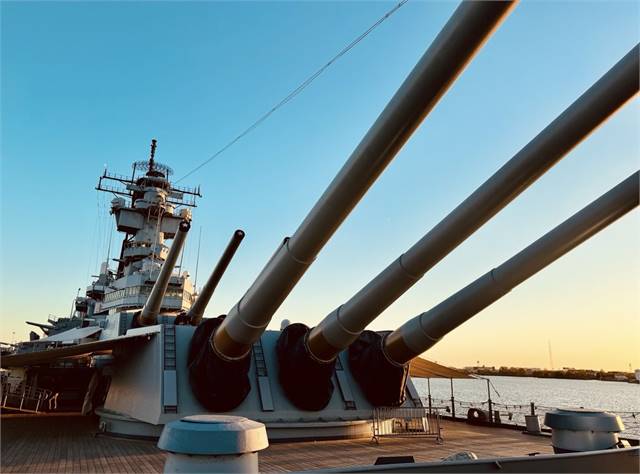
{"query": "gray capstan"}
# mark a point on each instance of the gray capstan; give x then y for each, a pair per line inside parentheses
(578, 430)
(213, 443)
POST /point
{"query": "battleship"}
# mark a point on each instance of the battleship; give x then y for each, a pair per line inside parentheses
(169, 368)
(144, 209)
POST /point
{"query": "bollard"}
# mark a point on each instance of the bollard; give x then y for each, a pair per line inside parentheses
(532, 423)
(213, 443)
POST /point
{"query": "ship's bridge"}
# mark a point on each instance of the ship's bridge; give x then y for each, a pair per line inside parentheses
(132, 292)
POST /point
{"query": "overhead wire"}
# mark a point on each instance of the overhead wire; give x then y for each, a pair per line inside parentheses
(297, 90)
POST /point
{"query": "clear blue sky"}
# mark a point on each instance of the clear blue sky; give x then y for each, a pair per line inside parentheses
(86, 84)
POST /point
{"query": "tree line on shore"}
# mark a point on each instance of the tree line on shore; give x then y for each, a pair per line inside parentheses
(564, 373)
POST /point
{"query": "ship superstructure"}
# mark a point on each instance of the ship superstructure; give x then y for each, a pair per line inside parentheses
(148, 209)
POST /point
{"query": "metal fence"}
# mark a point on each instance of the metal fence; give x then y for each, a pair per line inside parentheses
(406, 422)
(24, 397)
(514, 414)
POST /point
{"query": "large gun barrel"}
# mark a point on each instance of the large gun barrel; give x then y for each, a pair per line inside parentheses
(463, 35)
(341, 327)
(196, 312)
(151, 308)
(425, 330)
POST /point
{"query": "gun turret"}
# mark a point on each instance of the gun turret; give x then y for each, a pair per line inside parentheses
(44, 327)
(463, 35)
(196, 312)
(380, 363)
(153, 304)
(341, 327)
(233, 336)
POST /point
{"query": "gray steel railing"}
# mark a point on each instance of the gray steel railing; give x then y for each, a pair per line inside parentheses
(23, 397)
(513, 414)
(406, 422)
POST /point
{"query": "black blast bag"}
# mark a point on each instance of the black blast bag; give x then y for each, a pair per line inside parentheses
(217, 383)
(306, 381)
(381, 380)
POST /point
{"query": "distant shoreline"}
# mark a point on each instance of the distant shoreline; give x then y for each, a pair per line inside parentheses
(572, 374)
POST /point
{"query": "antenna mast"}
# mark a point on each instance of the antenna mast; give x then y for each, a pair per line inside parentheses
(154, 143)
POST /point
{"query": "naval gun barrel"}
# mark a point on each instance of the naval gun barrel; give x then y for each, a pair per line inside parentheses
(341, 327)
(153, 304)
(196, 312)
(453, 48)
(422, 332)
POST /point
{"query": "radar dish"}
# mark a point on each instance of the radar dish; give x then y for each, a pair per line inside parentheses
(144, 165)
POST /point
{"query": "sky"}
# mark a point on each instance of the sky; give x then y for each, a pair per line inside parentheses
(86, 85)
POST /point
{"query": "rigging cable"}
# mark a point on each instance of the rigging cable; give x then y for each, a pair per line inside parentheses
(195, 282)
(297, 90)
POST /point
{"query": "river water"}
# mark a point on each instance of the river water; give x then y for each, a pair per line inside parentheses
(512, 395)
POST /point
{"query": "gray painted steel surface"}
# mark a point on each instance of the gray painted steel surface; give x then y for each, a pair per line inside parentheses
(425, 330)
(582, 430)
(609, 460)
(463, 35)
(213, 443)
(341, 327)
(213, 434)
(151, 308)
(581, 419)
(134, 402)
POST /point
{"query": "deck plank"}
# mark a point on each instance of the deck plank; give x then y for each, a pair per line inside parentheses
(46, 443)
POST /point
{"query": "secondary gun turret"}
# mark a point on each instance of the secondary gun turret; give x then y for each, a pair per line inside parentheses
(196, 312)
(44, 327)
(151, 308)
(380, 362)
(221, 349)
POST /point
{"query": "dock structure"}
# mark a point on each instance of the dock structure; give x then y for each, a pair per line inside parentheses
(68, 443)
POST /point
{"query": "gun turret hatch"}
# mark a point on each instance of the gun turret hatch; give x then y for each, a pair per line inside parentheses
(196, 312)
(151, 308)
(425, 330)
(341, 327)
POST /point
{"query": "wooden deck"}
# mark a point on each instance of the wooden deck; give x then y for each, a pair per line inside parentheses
(55, 443)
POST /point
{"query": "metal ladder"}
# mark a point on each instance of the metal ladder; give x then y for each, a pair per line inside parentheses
(262, 375)
(169, 366)
(258, 357)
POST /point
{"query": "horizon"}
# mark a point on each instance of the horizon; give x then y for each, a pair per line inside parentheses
(88, 85)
